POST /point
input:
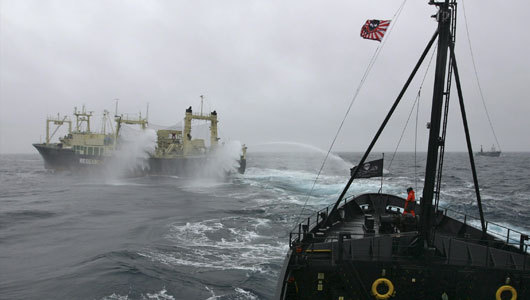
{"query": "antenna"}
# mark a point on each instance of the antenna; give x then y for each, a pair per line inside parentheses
(147, 112)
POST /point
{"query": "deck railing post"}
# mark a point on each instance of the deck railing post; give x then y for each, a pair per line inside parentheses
(522, 246)
(300, 232)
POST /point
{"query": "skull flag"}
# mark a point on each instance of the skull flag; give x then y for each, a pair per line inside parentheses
(369, 169)
(375, 29)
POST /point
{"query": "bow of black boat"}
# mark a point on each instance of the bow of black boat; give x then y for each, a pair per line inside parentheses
(371, 250)
(364, 247)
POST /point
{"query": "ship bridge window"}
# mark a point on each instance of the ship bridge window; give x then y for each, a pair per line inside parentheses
(96, 151)
(90, 150)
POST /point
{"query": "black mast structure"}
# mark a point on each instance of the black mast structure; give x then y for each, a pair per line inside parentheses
(441, 94)
(435, 141)
(427, 258)
(445, 43)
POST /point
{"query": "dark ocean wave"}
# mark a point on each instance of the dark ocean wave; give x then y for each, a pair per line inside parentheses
(72, 236)
(11, 218)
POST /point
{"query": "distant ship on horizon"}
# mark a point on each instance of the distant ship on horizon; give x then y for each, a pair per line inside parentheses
(492, 153)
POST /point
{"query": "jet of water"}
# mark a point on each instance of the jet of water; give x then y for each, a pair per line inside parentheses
(332, 156)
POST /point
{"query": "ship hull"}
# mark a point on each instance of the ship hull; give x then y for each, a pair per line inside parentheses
(346, 259)
(61, 159)
(192, 167)
(490, 154)
(412, 279)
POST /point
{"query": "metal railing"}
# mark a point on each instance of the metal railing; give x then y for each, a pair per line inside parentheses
(311, 222)
(505, 234)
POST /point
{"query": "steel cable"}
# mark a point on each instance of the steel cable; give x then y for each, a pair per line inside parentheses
(476, 76)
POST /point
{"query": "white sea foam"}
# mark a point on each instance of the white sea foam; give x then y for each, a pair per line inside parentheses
(237, 243)
(160, 295)
(245, 294)
(115, 296)
(240, 294)
(294, 186)
(213, 297)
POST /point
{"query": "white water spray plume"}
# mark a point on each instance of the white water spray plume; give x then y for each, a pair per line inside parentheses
(131, 158)
(222, 162)
(333, 164)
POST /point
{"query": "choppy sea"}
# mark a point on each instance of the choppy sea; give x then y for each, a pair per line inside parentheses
(75, 236)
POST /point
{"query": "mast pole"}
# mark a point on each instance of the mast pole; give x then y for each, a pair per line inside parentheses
(380, 130)
(468, 139)
(435, 141)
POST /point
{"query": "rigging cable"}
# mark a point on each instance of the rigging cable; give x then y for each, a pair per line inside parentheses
(476, 76)
(416, 144)
(410, 114)
(361, 83)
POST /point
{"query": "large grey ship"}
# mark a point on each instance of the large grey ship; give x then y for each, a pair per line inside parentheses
(176, 152)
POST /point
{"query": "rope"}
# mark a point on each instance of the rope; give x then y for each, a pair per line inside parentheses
(410, 114)
(476, 76)
(361, 83)
(416, 143)
(404, 128)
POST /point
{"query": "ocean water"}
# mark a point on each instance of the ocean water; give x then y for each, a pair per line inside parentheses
(79, 236)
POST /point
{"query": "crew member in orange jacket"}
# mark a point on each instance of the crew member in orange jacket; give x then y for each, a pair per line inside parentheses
(410, 203)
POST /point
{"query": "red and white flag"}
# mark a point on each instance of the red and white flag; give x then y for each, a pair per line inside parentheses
(375, 29)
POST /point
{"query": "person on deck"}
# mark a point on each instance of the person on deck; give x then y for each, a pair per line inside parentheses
(410, 203)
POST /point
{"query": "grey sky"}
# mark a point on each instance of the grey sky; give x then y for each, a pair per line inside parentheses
(274, 70)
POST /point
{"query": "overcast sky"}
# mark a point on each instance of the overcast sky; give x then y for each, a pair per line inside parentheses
(273, 70)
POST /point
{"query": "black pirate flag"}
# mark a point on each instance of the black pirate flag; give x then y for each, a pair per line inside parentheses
(375, 29)
(369, 169)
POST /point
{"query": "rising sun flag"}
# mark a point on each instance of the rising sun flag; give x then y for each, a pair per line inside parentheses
(375, 29)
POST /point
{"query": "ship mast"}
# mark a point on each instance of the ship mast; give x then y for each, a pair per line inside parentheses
(435, 141)
(445, 43)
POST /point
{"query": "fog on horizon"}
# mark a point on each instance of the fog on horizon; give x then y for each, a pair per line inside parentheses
(275, 71)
